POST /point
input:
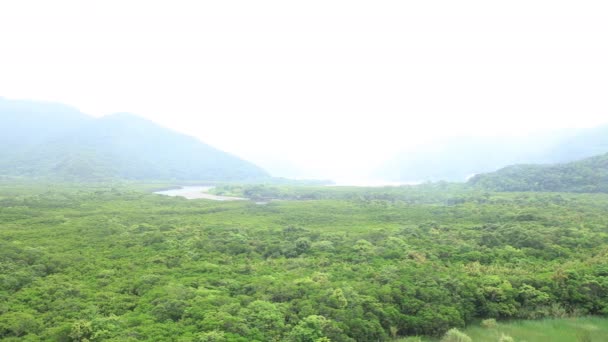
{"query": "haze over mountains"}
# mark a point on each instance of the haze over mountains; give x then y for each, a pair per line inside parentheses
(458, 159)
(51, 140)
(41, 139)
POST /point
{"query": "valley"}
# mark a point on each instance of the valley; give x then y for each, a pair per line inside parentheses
(304, 171)
(118, 229)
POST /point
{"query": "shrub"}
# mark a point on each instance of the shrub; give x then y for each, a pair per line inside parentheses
(455, 335)
(411, 339)
(210, 336)
(506, 338)
(489, 323)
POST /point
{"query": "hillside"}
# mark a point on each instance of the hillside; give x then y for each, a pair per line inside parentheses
(457, 159)
(587, 175)
(53, 141)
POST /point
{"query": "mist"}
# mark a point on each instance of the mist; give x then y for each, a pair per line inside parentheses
(328, 90)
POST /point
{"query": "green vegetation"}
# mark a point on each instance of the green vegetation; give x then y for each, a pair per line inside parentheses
(455, 335)
(587, 175)
(440, 192)
(115, 263)
(578, 329)
(587, 329)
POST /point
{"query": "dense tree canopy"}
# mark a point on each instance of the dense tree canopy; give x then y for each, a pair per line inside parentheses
(88, 264)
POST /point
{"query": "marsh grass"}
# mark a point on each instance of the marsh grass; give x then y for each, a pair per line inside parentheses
(582, 329)
(585, 329)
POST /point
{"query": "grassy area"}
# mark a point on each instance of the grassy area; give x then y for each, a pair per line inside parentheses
(585, 329)
(582, 329)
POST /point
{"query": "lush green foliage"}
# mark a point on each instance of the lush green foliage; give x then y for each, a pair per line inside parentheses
(588, 175)
(428, 193)
(123, 265)
(455, 335)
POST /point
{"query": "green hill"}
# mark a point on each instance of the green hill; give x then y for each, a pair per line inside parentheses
(587, 175)
(53, 141)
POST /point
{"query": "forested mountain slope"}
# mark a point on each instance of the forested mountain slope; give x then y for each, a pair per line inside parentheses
(587, 175)
(48, 140)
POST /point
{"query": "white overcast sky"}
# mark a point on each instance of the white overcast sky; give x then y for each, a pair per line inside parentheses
(330, 87)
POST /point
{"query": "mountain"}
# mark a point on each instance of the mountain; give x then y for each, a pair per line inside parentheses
(458, 159)
(587, 175)
(60, 142)
(27, 123)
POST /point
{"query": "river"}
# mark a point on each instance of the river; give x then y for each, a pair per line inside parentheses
(197, 192)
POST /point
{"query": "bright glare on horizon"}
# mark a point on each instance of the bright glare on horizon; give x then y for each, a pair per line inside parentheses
(322, 89)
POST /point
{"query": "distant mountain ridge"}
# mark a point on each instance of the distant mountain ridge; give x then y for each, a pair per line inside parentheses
(458, 159)
(586, 175)
(47, 140)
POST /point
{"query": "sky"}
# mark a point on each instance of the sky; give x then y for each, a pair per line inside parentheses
(318, 89)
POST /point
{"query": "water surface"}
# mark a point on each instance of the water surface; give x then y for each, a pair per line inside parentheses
(197, 192)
